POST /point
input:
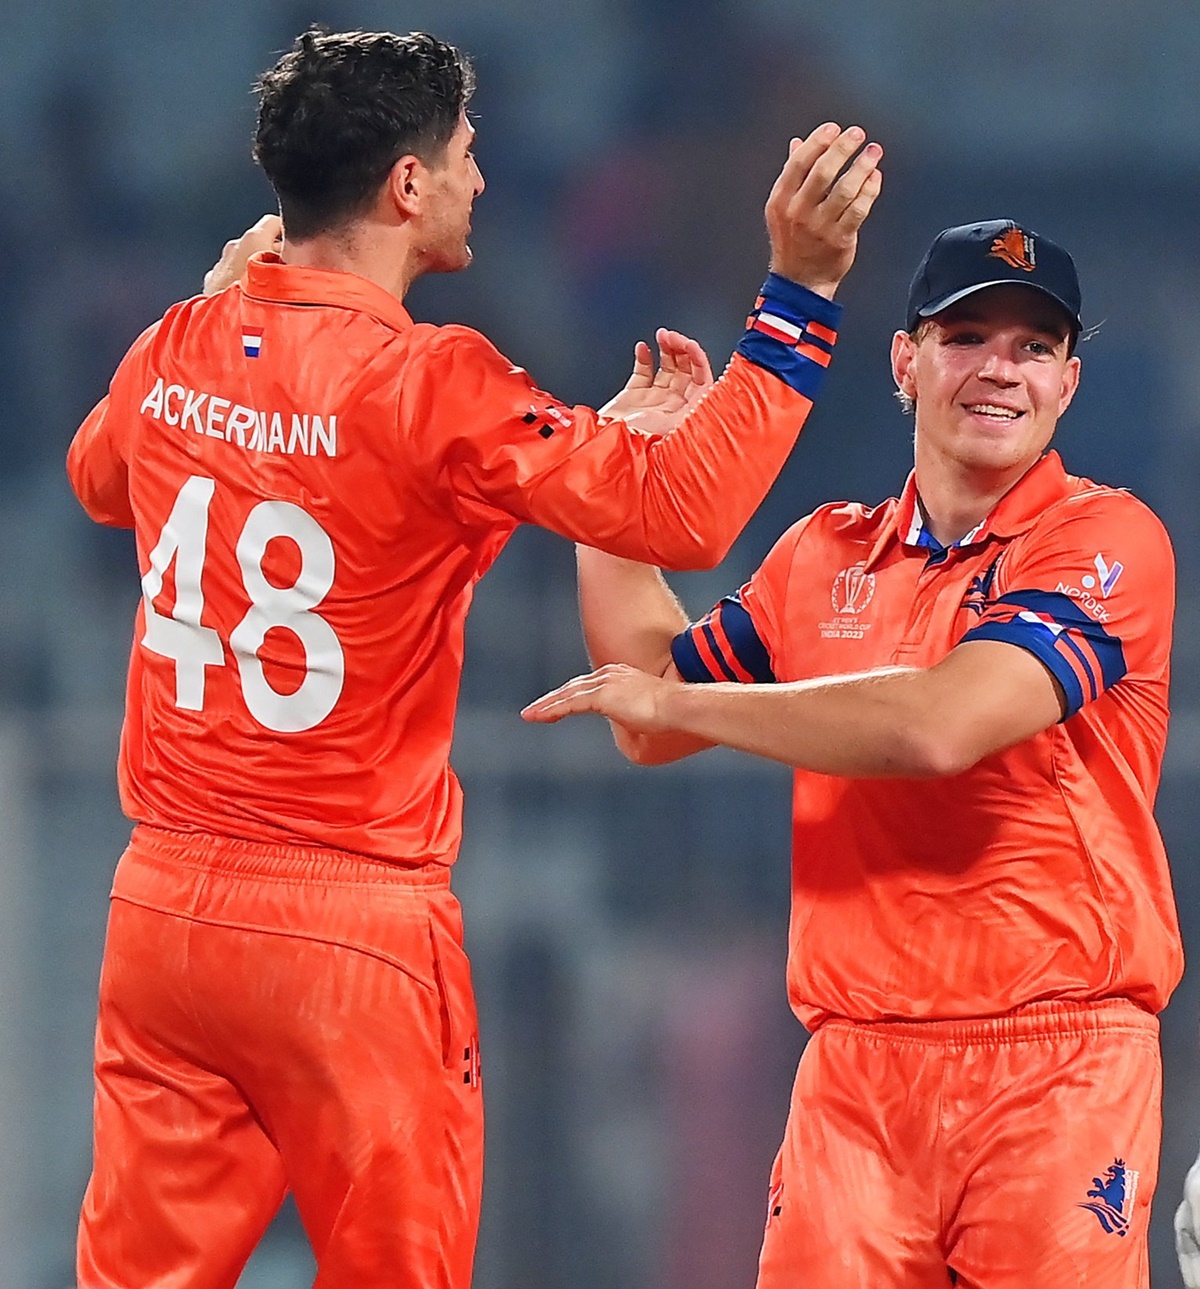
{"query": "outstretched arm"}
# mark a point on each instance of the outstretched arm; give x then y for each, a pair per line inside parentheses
(678, 498)
(905, 722)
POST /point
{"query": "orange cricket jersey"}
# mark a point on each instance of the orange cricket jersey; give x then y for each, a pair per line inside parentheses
(316, 484)
(1040, 872)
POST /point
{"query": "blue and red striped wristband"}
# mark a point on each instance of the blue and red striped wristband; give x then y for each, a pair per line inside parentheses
(791, 332)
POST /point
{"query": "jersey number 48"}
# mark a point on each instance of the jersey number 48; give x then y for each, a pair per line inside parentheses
(193, 647)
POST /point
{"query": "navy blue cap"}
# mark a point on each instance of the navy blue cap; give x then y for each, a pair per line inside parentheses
(969, 258)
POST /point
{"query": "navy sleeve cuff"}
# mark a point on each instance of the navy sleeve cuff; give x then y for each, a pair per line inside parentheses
(688, 662)
(791, 332)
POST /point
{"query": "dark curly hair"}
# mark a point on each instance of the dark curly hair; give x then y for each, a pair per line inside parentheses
(339, 109)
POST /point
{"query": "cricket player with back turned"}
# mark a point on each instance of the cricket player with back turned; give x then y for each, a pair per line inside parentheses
(316, 483)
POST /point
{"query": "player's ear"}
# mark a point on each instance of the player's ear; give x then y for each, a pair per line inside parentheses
(1070, 383)
(405, 184)
(904, 349)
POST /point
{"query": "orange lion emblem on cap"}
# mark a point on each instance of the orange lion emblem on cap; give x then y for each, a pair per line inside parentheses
(1016, 248)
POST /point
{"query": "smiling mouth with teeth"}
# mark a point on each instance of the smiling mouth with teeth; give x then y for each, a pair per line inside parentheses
(990, 409)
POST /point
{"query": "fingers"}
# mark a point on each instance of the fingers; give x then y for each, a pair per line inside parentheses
(802, 154)
(642, 376)
(577, 695)
(826, 167)
(616, 690)
(671, 357)
(269, 224)
(681, 362)
(860, 207)
(684, 368)
(852, 196)
(814, 163)
(264, 234)
(823, 194)
(702, 374)
(655, 399)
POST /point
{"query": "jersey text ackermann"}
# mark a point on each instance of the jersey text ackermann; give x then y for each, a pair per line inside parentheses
(308, 433)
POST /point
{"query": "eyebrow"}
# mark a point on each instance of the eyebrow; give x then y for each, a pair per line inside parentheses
(1043, 326)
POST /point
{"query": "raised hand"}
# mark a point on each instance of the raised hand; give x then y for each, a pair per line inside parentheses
(265, 235)
(813, 216)
(656, 401)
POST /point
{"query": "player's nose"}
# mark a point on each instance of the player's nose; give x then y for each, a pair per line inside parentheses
(998, 365)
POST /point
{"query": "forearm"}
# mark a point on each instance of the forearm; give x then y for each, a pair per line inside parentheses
(706, 478)
(898, 721)
(679, 499)
(984, 696)
(866, 726)
(629, 614)
(713, 470)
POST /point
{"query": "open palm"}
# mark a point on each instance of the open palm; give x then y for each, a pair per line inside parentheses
(656, 401)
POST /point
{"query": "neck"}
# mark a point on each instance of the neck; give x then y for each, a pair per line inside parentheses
(382, 256)
(956, 498)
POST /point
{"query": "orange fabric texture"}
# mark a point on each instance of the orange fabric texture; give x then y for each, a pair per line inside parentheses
(316, 484)
(276, 1017)
(1038, 873)
(1020, 1152)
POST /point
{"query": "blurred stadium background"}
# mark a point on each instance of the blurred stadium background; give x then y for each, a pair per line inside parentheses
(627, 927)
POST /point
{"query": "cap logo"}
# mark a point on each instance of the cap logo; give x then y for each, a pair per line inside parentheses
(1016, 248)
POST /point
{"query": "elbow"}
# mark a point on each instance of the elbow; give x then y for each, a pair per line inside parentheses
(635, 748)
(643, 749)
(710, 554)
(935, 750)
(694, 552)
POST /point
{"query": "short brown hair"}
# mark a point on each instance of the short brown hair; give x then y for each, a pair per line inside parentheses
(340, 109)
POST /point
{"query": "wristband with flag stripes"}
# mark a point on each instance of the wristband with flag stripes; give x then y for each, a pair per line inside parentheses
(791, 332)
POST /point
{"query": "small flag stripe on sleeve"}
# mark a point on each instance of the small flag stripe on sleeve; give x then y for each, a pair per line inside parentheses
(1077, 650)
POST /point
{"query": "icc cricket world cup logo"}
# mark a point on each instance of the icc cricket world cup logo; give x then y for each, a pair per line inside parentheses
(852, 590)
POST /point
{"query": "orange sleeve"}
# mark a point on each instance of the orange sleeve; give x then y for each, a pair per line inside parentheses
(742, 638)
(1091, 592)
(97, 470)
(97, 460)
(507, 449)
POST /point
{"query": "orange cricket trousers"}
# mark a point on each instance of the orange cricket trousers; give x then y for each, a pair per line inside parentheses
(280, 1018)
(1014, 1153)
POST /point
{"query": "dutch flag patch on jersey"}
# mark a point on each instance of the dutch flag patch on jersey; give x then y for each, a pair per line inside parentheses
(252, 341)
